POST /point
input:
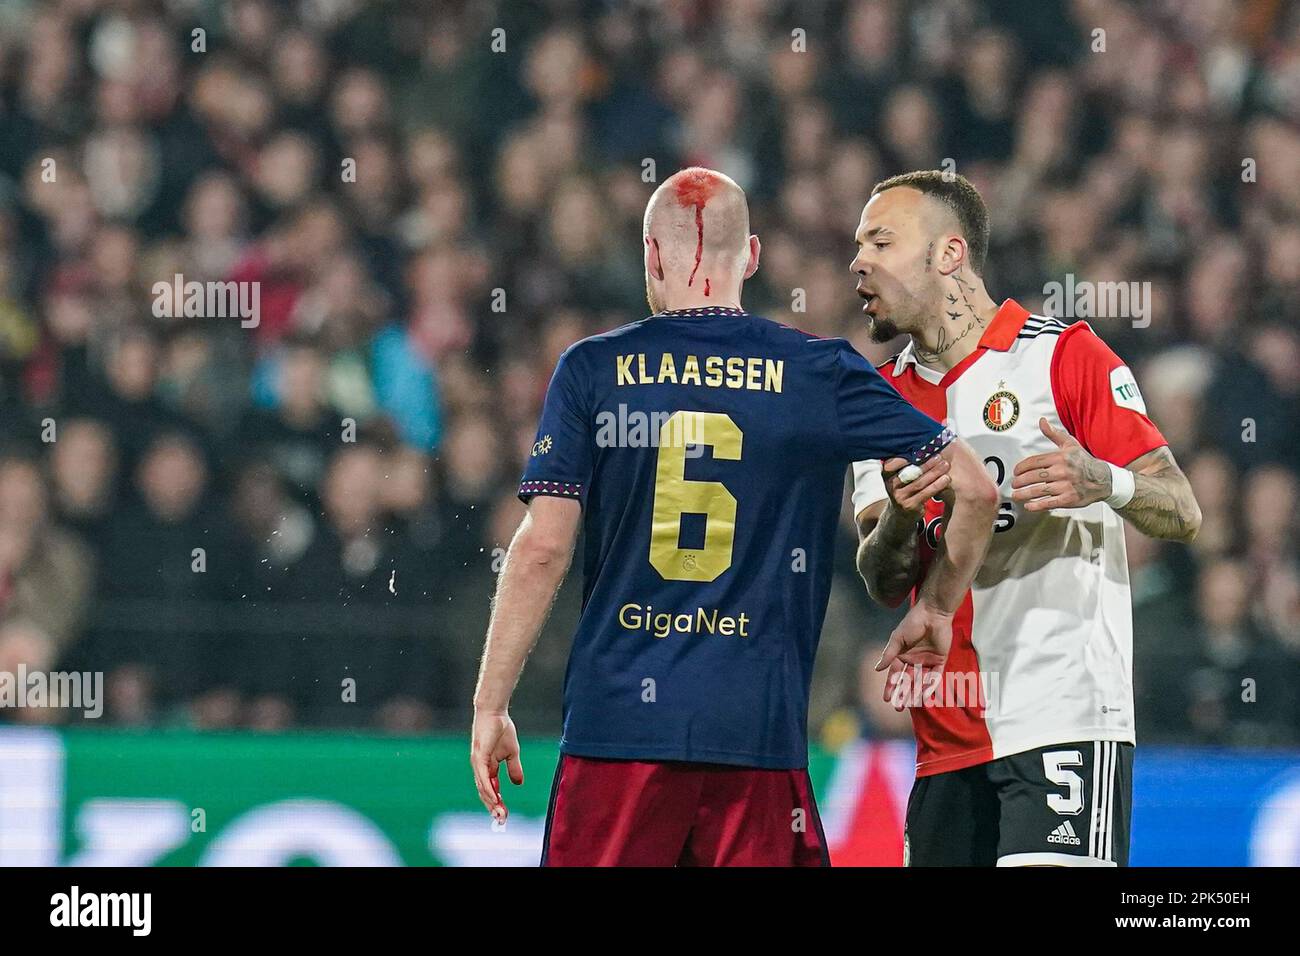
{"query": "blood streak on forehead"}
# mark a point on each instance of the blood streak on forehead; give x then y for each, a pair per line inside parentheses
(696, 188)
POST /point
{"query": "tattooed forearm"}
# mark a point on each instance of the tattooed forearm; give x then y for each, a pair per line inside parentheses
(888, 558)
(1163, 505)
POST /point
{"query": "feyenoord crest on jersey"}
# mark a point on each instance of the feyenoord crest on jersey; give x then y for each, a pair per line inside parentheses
(1002, 410)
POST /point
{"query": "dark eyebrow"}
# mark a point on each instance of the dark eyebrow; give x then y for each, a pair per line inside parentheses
(873, 232)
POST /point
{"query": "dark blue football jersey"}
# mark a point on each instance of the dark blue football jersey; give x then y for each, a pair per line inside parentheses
(708, 448)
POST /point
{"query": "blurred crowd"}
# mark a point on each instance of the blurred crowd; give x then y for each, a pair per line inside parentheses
(300, 522)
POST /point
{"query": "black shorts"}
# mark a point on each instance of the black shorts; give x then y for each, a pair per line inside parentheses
(1061, 805)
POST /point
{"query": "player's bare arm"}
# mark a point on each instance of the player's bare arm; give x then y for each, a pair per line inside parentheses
(970, 508)
(535, 566)
(1162, 504)
(888, 559)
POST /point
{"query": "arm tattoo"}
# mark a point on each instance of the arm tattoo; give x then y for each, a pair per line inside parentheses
(888, 558)
(1094, 472)
(1163, 505)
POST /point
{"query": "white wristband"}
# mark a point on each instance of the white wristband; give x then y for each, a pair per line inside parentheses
(1122, 486)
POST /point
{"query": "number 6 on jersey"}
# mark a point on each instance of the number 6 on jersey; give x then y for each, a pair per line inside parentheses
(676, 495)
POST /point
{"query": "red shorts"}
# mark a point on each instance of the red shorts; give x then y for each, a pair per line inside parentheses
(635, 813)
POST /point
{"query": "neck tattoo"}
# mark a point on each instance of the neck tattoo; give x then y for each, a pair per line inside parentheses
(960, 313)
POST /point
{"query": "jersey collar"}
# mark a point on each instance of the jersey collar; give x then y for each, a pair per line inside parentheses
(702, 311)
(1006, 325)
(1000, 335)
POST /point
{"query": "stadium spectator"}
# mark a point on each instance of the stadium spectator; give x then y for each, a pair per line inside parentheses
(1236, 686)
(45, 574)
(432, 222)
(83, 469)
(165, 559)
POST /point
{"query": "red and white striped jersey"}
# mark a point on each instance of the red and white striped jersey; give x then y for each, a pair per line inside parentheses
(1043, 643)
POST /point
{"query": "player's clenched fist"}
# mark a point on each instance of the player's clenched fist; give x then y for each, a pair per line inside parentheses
(911, 496)
(1068, 477)
(493, 740)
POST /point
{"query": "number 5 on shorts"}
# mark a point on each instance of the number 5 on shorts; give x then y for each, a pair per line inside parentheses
(1054, 764)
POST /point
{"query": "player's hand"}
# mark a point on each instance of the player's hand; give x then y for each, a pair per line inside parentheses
(492, 740)
(910, 498)
(921, 640)
(1068, 477)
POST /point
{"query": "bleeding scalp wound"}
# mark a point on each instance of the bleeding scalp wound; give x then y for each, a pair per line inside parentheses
(696, 188)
